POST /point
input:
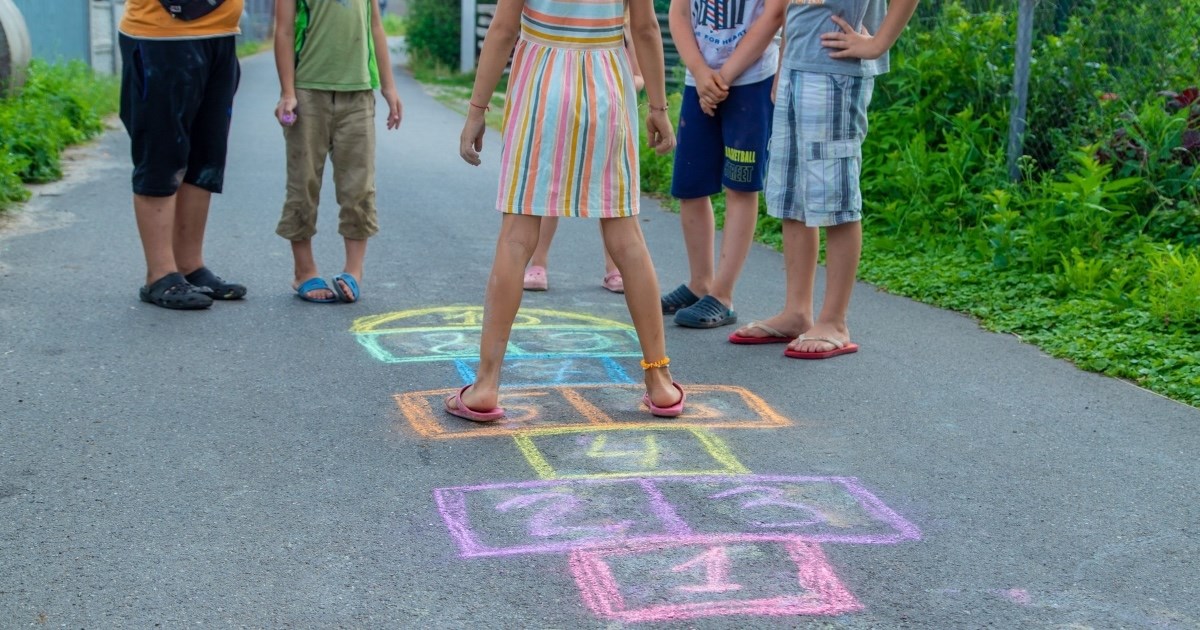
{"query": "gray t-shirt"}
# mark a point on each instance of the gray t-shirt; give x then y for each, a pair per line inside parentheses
(806, 20)
(719, 26)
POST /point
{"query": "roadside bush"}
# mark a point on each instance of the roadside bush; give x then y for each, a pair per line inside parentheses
(433, 31)
(60, 105)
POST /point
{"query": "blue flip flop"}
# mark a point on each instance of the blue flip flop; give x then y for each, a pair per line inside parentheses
(346, 287)
(314, 284)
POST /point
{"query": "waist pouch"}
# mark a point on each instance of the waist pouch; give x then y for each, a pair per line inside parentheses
(190, 9)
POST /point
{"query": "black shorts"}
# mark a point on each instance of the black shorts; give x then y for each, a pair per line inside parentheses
(176, 103)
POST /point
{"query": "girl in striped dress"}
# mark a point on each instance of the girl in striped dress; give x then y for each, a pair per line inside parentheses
(570, 149)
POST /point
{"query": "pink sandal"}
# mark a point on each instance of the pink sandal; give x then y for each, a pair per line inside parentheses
(666, 412)
(535, 278)
(614, 282)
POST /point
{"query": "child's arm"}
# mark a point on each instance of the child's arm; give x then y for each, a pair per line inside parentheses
(643, 26)
(710, 87)
(630, 51)
(778, 66)
(285, 61)
(497, 46)
(756, 40)
(387, 81)
(850, 44)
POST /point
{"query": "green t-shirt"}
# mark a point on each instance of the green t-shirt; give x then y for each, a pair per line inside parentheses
(334, 47)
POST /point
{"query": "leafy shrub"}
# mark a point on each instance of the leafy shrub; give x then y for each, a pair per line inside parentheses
(1160, 144)
(433, 31)
(59, 105)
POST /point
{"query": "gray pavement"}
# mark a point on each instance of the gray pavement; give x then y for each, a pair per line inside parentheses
(273, 463)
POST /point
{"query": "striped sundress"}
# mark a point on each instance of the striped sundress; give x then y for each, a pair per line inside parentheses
(570, 118)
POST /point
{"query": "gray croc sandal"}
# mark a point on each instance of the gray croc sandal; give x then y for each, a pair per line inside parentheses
(681, 297)
(709, 312)
(174, 292)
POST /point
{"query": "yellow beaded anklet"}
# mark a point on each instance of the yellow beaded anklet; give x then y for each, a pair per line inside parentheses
(661, 363)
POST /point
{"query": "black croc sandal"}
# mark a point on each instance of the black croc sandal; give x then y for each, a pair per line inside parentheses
(681, 297)
(203, 278)
(173, 291)
(709, 312)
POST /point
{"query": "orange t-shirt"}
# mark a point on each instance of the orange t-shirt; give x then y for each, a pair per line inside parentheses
(149, 20)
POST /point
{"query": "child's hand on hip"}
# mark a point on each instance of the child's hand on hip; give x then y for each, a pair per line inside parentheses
(851, 44)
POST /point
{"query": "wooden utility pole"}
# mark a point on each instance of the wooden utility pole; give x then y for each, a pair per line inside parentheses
(1016, 120)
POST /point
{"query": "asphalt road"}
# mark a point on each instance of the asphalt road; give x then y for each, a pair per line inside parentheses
(272, 463)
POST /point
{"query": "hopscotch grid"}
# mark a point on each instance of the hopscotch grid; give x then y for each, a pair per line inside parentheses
(600, 590)
(424, 418)
(526, 318)
(458, 518)
(659, 525)
(713, 446)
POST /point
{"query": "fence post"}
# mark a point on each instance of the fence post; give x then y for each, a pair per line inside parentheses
(466, 47)
(1016, 121)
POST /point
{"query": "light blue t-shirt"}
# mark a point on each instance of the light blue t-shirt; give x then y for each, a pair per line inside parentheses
(719, 26)
(806, 20)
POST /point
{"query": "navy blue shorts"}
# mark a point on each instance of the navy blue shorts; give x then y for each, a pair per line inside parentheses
(176, 103)
(728, 149)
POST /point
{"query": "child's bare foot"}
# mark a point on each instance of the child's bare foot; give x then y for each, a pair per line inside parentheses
(777, 329)
(313, 289)
(821, 342)
(466, 404)
(661, 389)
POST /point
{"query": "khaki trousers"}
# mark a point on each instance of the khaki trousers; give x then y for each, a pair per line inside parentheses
(339, 126)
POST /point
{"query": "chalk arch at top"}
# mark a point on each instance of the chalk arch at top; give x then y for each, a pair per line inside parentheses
(452, 333)
(443, 317)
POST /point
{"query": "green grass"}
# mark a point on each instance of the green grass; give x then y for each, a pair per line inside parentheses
(394, 25)
(247, 48)
(59, 106)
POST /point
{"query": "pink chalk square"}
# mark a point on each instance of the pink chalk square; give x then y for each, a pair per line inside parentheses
(710, 576)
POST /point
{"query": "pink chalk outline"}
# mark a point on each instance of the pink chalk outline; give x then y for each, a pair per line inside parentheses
(657, 522)
(820, 592)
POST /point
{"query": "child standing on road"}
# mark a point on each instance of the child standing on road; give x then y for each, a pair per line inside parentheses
(331, 55)
(729, 49)
(570, 149)
(827, 70)
(536, 278)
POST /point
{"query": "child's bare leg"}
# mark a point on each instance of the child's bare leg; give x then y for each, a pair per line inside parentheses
(741, 215)
(306, 267)
(356, 254)
(612, 276)
(156, 225)
(191, 217)
(800, 247)
(609, 265)
(843, 248)
(541, 254)
(514, 247)
(623, 240)
(699, 228)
